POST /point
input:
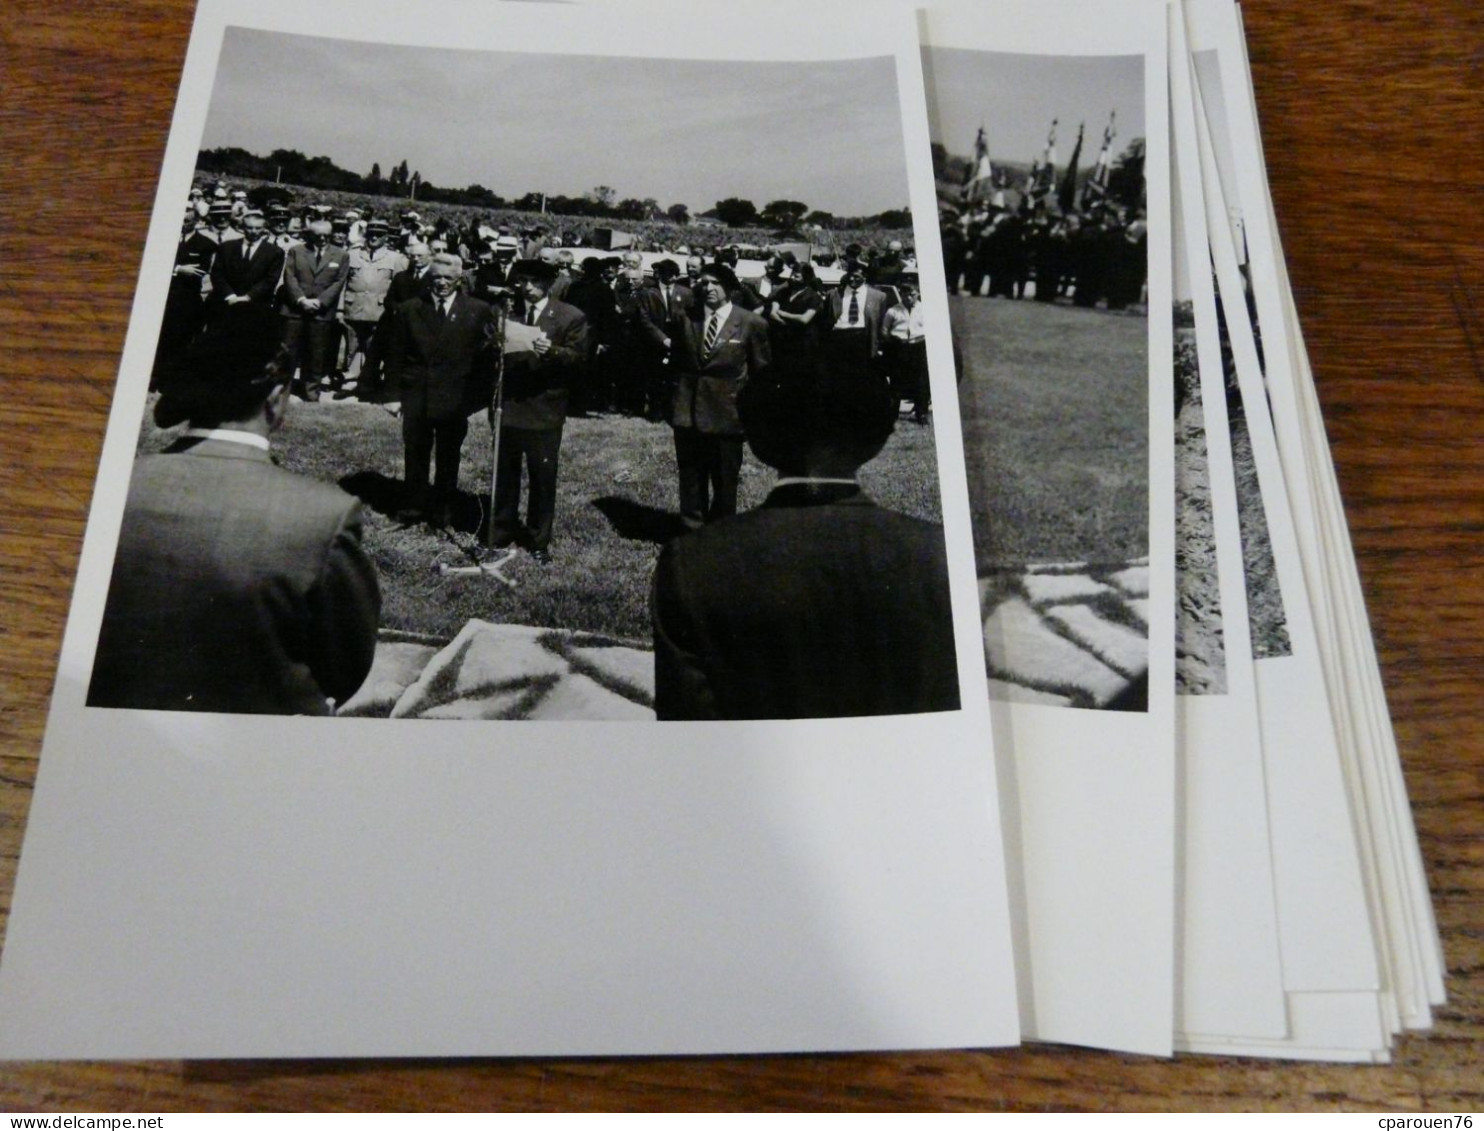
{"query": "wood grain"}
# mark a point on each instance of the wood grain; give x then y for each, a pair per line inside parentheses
(1372, 120)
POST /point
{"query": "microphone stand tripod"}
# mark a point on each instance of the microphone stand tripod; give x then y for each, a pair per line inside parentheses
(494, 566)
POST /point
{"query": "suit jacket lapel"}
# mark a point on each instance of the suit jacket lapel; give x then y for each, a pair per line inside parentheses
(730, 329)
(427, 314)
(546, 318)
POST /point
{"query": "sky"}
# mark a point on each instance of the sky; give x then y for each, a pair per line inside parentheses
(828, 134)
(1015, 97)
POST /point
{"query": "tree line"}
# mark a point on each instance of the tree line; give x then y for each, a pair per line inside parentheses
(290, 167)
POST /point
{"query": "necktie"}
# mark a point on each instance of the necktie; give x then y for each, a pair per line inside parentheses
(855, 307)
(319, 256)
(530, 316)
(713, 331)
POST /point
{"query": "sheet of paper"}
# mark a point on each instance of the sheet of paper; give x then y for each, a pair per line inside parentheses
(1066, 410)
(1231, 974)
(1409, 913)
(200, 885)
(1327, 937)
(1331, 1026)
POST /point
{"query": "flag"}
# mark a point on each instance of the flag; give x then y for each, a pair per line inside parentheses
(1067, 198)
(1100, 174)
(1046, 182)
(981, 174)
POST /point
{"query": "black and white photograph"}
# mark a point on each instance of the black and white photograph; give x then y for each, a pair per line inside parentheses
(1039, 163)
(509, 501)
(540, 386)
(1200, 648)
(1265, 612)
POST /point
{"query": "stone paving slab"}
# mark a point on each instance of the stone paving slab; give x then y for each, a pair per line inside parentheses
(1068, 633)
(395, 668)
(1057, 567)
(578, 697)
(1140, 609)
(1022, 649)
(1116, 645)
(508, 671)
(632, 668)
(1134, 581)
(1053, 588)
(482, 659)
(1002, 692)
(496, 703)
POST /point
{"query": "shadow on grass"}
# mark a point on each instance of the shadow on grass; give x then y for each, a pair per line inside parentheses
(377, 492)
(467, 513)
(639, 522)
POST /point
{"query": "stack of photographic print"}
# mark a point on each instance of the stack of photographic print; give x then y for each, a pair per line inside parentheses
(823, 542)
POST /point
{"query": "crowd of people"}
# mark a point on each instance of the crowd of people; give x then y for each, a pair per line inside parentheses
(1097, 254)
(629, 332)
(241, 587)
(339, 353)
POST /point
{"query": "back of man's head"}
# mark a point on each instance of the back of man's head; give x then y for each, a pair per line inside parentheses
(827, 426)
(227, 374)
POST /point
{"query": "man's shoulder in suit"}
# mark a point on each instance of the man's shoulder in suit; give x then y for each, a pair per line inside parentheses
(563, 310)
(752, 319)
(476, 305)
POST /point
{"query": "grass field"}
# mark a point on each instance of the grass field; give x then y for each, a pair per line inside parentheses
(616, 506)
(1055, 403)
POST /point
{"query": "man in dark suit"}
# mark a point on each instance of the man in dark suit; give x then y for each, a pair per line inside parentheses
(185, 308)
(412, 281)
(406, 284)
(245, 272)
(314, 277)
(852, 338)
(818, 604)
(659, 311)
(440, 357)
(537, 388)
(593, 294)
(237, 586)
(713, 357)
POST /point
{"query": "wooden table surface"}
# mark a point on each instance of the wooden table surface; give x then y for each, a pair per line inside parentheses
(1374, 129)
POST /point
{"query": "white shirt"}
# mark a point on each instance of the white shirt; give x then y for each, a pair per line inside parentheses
(230, 435)
(903, 324)
(721, 314)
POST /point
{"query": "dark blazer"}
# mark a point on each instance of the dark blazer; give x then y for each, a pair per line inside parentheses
(599, 305)
(708, 384)
(237, 587)
(405, 285)
(442, 366)
(302, 279)
(233, 272)
(194, 250)
(818, 604)
(184, 302)
(536, 386)
(659, 321)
